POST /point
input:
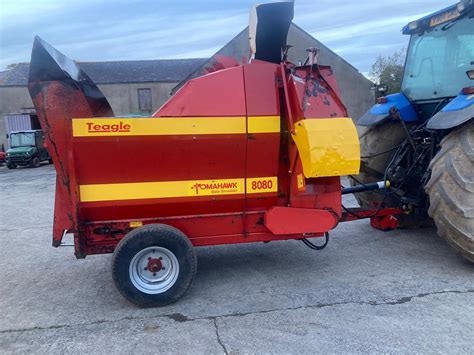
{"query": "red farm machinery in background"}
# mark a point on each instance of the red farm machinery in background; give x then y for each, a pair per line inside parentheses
(247, 153)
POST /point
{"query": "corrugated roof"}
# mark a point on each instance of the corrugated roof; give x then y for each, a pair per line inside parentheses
(15, 76)
(116, 72)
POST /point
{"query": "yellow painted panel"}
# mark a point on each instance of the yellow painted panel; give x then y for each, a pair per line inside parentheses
(162, 189)
(93, 127)
(262, 184)
(100, 127)
(328, 146)
(170, 189)
(264, 124)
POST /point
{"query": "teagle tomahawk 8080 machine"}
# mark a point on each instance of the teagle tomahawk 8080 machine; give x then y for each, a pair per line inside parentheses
(246, 153)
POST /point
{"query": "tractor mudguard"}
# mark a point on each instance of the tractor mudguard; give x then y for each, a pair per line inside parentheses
(380, 113)
(458, 111)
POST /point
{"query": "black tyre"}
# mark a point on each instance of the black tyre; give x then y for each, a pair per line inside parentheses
(154, 265)
(11, 166)
(35, 162)
(451, 190)
(50, 161)
(376, 151)
(374, 141)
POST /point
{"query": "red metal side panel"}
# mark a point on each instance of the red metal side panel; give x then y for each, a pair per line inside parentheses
(159, 157)
(328, 75)
(101, 160)
(218, 93)
(261, 89)
(317, 97)
(287, 220)
(55, 104)
(161, 207)
(263, 149)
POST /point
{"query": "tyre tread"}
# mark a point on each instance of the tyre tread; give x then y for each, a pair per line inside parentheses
(166, 234)
(451, 190)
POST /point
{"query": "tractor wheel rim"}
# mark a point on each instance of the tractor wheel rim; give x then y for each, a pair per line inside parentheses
(154, 270)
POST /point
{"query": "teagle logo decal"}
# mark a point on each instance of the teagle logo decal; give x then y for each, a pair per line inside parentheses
(215, 187)
(106, 128)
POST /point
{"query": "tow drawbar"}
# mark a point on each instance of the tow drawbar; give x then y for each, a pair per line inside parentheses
(366, 187)
(380, 218)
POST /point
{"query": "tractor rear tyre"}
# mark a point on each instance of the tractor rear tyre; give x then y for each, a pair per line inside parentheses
(154, 265)
(451, 190)
(377, 147)
(35, 162)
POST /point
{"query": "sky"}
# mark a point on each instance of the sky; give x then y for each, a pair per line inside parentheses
(99, 30)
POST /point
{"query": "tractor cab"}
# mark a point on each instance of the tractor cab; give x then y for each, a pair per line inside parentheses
(438, 72)
(26, 149)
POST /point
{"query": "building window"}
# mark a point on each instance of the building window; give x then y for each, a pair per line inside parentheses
(144, 99)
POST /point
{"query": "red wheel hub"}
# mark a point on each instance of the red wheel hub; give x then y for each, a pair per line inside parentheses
(154, 265)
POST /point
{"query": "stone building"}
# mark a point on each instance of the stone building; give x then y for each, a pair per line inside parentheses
(132, 87)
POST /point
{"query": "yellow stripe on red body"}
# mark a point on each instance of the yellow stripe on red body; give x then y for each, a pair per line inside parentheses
(174, 189)
(163, 126)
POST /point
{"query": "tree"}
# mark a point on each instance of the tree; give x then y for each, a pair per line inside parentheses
(388, 71)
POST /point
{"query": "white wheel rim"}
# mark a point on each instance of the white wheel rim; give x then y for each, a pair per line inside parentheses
(154, 270)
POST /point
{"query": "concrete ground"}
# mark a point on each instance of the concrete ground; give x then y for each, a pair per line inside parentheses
(368, 291)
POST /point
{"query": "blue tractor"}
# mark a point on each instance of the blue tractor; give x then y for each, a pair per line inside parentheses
(422, 139)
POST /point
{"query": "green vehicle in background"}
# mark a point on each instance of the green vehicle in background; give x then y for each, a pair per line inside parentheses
(26, 149)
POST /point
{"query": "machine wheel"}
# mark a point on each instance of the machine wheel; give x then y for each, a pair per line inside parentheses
(374, 141)
(35, 162)
(154, 265)
(50, 161)
(11, 166)
(451, 190)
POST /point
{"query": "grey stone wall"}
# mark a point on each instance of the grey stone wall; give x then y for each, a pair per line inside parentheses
(124, 97)
(13, 99)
